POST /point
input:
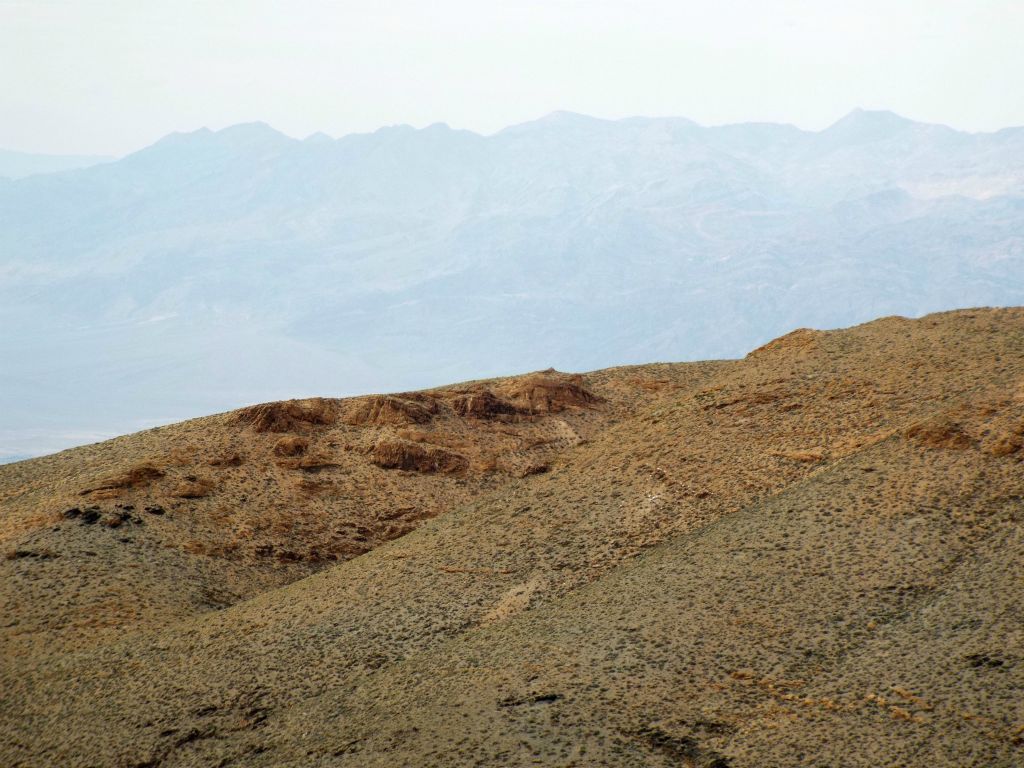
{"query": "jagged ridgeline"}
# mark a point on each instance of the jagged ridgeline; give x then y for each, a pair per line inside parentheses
(808, 556)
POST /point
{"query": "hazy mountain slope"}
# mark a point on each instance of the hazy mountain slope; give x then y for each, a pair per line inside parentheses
(405, 258)
(16, 165)
(816, 500)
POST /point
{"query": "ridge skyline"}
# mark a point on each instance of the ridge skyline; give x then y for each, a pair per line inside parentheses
(893, 117)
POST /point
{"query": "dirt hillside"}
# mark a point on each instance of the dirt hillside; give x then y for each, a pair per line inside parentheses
(810, 556)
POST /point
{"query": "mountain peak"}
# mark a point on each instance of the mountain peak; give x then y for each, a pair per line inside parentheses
(861, 116)
(863, 125)
(557, 119)
(250, 132)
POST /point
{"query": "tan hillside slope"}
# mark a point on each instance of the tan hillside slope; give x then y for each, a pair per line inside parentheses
(807, 556)
(869, 616)
(181, 520)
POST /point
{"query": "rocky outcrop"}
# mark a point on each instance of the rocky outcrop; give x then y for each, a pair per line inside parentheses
(292, 445)
(391, 410)
(138, 476)
(416, 457)
(548, 392)
(289, 415)
(482, 404)
(193, 487)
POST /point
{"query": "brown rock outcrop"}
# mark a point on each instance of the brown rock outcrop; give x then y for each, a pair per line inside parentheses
(482, 404)
(416, 457)
(548, 392)
(391, 410)
(288, 415)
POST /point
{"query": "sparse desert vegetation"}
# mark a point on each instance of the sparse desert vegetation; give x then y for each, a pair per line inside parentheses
(810, 556)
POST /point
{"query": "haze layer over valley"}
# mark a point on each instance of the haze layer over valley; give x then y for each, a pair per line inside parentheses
(216, 269)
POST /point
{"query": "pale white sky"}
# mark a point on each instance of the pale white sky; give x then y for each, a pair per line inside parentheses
(110, 76)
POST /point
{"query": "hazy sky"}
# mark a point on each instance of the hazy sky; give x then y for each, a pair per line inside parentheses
(110, 76)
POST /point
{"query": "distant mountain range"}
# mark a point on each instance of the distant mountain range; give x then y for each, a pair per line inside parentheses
(215, 269)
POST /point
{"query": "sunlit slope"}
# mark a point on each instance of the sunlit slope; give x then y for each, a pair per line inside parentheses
(811, 551)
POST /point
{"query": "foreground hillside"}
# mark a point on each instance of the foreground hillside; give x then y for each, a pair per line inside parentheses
(808, 556)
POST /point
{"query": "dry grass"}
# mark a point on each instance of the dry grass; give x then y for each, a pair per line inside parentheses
(809, 455)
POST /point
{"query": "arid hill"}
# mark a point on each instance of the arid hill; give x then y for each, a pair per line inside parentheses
(811, 556)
